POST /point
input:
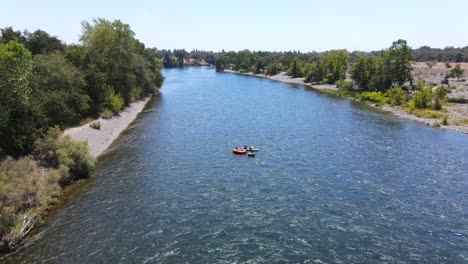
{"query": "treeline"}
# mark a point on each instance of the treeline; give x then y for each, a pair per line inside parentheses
(448, 54)
(45, 86)
(176, 57)
(390, 67)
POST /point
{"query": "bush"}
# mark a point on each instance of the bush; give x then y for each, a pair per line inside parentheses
(396, 96)
(106, 114)
(445, 121)
(274, 68)
(439, 96)
(114, 102)
(71, 158)
(346, 85)
(422, 98)
(24, 188)
(135, 94)
(375, 97)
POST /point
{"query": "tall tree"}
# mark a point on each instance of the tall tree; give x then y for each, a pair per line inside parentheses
(295, 70)
(18, 123)
(8, 34)
(111, 51)
(397, 60)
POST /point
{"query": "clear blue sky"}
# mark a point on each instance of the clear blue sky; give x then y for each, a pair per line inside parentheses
(255, 24)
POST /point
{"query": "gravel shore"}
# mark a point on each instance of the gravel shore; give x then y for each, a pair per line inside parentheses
(100, 140)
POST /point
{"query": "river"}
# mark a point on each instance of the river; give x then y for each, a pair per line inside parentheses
(334, 181)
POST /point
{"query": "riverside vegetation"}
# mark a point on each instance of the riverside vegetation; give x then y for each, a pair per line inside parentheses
(46, 86)
(380, 78)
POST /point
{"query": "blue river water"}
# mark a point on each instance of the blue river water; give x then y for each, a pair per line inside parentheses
(334, 181)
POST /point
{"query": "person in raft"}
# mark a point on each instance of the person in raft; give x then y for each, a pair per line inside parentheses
(245, 146)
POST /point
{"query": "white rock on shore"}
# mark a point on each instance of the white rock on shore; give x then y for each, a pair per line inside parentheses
(100, 140)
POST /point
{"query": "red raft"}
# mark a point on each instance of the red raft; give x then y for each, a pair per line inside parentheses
(239, 151)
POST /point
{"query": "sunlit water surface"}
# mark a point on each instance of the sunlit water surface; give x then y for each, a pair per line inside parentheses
(333, 182)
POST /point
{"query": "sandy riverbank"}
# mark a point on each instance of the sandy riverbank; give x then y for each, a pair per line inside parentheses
(454, 110)
(100, 140)
(283, 77)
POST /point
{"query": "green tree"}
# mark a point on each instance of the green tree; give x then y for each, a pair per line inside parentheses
(457, 71)
(396, 96)
(244, 60)
(58, 89)
(60, 152)
(295, 70)
(180, 55)
(221, 64)
(397, 63)
(8, 34)
(440, 95)
(111, 59)
(364, 72)
(422, 98)
(274, 68)
(311, 72)
(332, 66)
(391, 68)
(168, 61)
(40, 42)
(19, 123)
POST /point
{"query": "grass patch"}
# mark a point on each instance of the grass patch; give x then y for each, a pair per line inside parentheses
(374, 97)
(340, 93)
(461, 122)
(425, 113)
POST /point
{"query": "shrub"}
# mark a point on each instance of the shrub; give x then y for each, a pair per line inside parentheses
(114, 102)
(457, 71)
(346, 85)
(422, 98)
(411, 107)
(23, 187)
(72, 158)
(439, 96)
(430, 64)
(396, 96)
(106, 114)
(375, 97)
(274, 68)
(445, 121)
